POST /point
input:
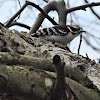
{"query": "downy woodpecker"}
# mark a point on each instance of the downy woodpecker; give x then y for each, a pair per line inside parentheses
(59, 33)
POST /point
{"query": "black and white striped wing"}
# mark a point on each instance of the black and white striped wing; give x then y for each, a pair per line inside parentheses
(56, 30)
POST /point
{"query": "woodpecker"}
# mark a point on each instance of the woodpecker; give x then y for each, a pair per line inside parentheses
(59, 33)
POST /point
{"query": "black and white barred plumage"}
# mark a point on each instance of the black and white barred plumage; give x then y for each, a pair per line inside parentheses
(59, 33)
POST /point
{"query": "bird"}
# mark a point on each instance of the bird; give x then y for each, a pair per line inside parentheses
(62, 34)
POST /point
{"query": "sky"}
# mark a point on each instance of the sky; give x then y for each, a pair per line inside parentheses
(85, 19)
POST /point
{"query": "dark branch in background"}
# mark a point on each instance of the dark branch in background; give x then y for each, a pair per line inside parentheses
(19, 3)
(36, 6)
(93, 11)
(95, 39)
(58, 6)
(80, 44)
(20, 7)
(19, 24)
(82, 7)
(93, 36)
(46, 1)
(87, 55)
(97, 49)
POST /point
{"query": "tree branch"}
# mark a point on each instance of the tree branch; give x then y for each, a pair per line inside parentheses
(80, 44)
(19, 24)
(58, 6)
(82, 7)
(34, 5)
(93, 11)
(11, 19)
(46, 1)
(88, 43)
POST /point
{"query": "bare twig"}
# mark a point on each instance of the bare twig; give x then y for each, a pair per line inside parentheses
(93, 36)
(87, 55)
(46, 1)
(11, 19)
(96, 39)
(93, 11)
(20, 7)
(88, 43)
(82, 7)
(80, 44)
(19, 24)
(36, 6)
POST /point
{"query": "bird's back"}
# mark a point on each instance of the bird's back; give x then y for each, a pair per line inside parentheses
(59, 33)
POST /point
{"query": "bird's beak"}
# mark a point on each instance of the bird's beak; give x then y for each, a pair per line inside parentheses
(81, 30)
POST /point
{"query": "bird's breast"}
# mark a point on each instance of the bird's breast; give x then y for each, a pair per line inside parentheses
(65, 39)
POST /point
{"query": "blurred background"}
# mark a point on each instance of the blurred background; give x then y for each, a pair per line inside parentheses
(89, 20)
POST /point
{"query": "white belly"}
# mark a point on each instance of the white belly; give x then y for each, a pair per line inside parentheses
(60, 39)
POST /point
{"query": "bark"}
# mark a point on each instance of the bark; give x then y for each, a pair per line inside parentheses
(27, 72)
(14, 59)
(59, 89)
(22, 8)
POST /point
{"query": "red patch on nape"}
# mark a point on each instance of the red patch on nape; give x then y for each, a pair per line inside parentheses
(70, 25)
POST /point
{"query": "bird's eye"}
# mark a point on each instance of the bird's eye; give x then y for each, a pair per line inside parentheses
(76, 28)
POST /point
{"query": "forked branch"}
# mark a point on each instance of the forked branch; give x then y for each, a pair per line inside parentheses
(19, 24)
(34, 5)
(93, 11)
(82, 7)
(53, 5)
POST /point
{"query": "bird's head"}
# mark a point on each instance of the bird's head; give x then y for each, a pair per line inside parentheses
(75, 29)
